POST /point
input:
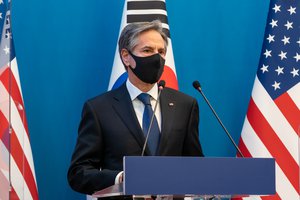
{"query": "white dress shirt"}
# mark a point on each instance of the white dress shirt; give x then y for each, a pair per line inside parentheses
(139, 107)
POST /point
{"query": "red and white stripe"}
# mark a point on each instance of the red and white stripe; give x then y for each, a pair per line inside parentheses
(271, 129)
(22, 171)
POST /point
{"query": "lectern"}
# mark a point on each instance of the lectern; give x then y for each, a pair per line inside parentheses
(194, 176)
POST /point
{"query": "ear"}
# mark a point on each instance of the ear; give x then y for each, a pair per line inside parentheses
(125, 57)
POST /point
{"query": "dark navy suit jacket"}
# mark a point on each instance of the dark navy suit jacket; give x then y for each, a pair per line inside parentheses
(109, 130)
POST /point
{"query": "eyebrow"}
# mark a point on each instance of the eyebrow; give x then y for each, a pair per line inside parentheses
(150, 47)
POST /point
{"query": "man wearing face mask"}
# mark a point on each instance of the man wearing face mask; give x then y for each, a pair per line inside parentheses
(113, 125)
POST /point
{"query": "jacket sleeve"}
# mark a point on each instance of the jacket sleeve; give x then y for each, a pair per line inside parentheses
(192, 146)
(85, 174)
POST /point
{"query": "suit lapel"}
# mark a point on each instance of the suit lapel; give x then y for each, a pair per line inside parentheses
(124, 108)
(168, 105)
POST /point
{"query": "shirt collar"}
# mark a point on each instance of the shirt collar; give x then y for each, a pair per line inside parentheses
(134, 91)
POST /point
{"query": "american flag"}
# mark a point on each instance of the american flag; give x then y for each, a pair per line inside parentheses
(142, 11)
(272, 124)
(17, 175)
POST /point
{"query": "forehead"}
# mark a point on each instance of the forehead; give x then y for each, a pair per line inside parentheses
(150, 38)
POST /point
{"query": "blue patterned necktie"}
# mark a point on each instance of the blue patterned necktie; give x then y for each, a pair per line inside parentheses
(154, 134)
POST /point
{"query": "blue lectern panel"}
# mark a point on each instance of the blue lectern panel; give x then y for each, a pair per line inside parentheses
(200, 176)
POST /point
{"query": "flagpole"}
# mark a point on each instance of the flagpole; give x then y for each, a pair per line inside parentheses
(9, 100)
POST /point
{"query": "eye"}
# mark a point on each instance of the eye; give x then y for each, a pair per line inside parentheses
(162, 52)
(147, 51)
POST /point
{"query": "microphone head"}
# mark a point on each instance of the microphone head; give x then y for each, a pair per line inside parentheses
(161, 84)
(196, 85)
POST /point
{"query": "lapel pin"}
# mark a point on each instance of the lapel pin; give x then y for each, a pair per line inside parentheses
(171, 104)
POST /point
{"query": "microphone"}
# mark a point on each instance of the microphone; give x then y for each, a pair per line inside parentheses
(161, 86)
(197, 86)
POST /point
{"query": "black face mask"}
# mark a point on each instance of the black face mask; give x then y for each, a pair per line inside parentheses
(148, 69)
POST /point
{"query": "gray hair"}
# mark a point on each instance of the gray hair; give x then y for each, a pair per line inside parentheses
(129, 35)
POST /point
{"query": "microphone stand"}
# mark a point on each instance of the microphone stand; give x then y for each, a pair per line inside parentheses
(197, 86)
(161, 86)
